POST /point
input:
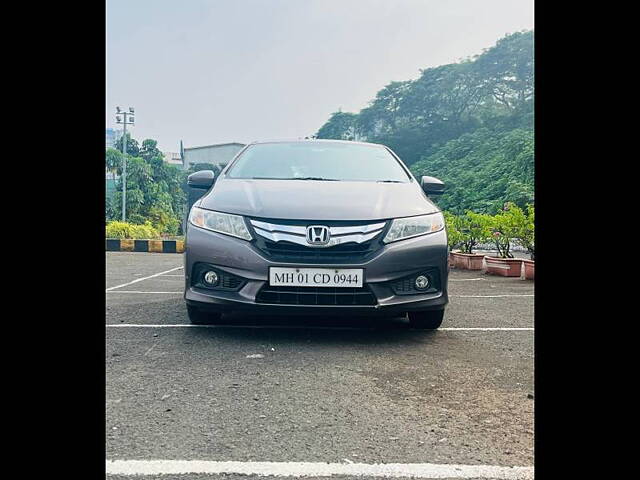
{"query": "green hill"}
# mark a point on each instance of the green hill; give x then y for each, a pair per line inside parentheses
(468, 123)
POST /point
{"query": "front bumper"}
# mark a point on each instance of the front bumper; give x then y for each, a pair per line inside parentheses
(242, 258)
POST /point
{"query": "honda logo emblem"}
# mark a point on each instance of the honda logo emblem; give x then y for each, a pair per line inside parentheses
(318, 235)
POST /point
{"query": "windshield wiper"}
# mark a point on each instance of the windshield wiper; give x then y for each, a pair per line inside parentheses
(389, 181)
(316, 178)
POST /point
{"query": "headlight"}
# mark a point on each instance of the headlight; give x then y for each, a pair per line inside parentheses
(408, 227)
(219, 222)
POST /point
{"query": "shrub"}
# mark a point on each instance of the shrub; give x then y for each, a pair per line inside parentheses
(454, 237)
(172, 226)
(117, 229)
(474, 228)
(505, 227)
(512, 223)
(136, 219)
(164, 221)
(525, 230)
(144, 231)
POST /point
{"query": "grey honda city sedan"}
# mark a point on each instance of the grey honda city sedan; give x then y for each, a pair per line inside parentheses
(315, 227)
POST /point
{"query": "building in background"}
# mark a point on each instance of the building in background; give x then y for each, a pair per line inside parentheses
(173, 158)
(112, 136)
(219, 154)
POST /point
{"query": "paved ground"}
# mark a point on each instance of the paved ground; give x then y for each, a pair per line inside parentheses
(325, 390)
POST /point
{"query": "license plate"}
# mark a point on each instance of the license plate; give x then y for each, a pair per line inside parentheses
(316, 277)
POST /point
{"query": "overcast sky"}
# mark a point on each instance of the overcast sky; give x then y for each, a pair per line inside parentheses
(216, 71)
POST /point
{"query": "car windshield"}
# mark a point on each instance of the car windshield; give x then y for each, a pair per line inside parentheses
(318, 161)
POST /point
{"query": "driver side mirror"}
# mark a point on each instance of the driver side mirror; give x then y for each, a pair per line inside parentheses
(197, 185)
(202, 179)
(432, 186)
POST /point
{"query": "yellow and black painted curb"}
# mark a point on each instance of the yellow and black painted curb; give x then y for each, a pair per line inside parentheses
(155, 246)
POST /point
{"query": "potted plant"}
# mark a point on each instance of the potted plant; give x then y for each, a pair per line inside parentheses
(526, 236)
(473, 228)
(454, 237)
(504, 227)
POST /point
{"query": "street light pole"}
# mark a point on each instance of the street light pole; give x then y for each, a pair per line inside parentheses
(124, 171)
(126, 119)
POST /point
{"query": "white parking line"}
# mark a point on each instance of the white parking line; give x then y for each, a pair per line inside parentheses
(465, 279)
(494, 296)
(143, 278)
(315, 469)
(490, 329)
(190, 325)
(139, 291)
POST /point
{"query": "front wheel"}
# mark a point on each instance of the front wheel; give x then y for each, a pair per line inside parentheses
(200, 317)
(426, 320)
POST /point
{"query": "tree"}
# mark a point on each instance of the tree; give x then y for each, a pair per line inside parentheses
(508, 67)
(446, 94)
(341, 126)
(454, 237)
(469, 123)
(113, 161)
(384, 115)
(162, 220)
(505, 227)
(149, 150)
(113, 164)
(474, 228)
(155, 191)
(483, 169)
(132, 145)
(525, 227)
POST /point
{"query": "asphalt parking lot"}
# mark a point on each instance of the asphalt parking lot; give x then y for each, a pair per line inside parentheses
(343, 391)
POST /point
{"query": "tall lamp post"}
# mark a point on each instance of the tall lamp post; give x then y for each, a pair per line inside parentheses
(124, 118)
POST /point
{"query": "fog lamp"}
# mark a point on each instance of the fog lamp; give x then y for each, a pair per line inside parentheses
(422, 282)
(211, 278)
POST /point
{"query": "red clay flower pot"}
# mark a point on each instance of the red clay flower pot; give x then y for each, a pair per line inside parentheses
(529, 266)
(467, 261)
(506, 267)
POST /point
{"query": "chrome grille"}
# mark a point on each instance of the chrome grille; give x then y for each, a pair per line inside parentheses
(340, 234)
(286, 240)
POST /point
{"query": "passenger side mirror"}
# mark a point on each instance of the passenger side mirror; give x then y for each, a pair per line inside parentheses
(202, 179)
(432, 186)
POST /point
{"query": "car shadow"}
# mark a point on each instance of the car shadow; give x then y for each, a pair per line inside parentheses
(325, 330)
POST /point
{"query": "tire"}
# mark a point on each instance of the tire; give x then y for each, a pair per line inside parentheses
(426, 320)
(199, 317)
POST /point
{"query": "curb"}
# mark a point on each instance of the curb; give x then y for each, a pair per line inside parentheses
(153, 246)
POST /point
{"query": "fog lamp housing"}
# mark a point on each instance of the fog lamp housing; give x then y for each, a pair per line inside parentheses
(422, 282)
(210, 278)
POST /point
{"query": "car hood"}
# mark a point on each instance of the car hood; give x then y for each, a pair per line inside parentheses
(317, 200)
